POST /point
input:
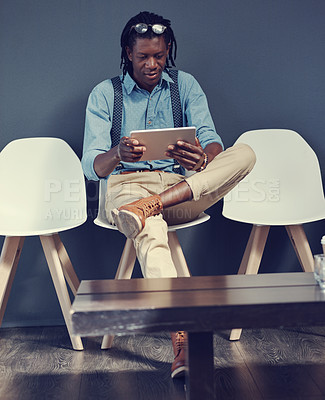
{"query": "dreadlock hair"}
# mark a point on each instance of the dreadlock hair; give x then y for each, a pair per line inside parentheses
(129, 37)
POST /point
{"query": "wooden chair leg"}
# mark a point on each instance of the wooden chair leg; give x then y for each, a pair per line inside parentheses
(300, 244)
(55, 267)
(9, 259)
(124, 271)
(252, 259)
(178, 255)
(68, 270)
(127, 261)
(254, 250)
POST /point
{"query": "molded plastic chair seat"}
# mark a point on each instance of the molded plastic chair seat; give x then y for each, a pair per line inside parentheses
(128, 258)
(42, 192)
(284, 188)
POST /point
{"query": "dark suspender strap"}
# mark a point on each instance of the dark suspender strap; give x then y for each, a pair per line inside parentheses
(117, 111)
(175, 99)
(176, 108)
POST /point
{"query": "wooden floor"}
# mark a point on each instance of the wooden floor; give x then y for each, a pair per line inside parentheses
(38, 363)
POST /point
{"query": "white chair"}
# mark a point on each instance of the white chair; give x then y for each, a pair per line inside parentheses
(128, 258)
(284, 188)
(42, 192)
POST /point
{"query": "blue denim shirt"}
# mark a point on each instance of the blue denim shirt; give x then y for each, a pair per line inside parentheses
(143, 110)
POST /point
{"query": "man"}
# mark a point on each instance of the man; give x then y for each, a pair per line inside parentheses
(143, 197)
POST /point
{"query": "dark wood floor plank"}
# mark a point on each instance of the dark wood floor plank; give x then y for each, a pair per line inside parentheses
(232, 377)
(136, 367)
(62, 365)
(276, 363)
(17, 362)
(109, 374)
(271, 364)
(313, 354)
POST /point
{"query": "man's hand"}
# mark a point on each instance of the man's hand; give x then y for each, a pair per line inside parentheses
(130, 150)
(188, 155)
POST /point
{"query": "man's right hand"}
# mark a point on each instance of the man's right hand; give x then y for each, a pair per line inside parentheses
(130, 150)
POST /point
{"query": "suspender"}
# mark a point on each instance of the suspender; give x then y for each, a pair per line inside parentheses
(118, 107)
(117, 111)
(176, 109)
(175, 99)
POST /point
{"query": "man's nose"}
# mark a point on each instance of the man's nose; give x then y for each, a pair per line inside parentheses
(151, 63)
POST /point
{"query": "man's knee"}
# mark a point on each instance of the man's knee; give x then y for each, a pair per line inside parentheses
(247, 156)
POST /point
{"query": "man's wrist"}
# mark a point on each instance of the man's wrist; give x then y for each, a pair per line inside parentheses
(118, 153)
(204, 163)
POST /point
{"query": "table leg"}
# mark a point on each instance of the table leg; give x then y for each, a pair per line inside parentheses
(200, 377)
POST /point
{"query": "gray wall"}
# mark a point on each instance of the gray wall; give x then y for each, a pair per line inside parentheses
(261, 63)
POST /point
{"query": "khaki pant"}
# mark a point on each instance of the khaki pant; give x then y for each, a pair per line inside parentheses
(208, 186)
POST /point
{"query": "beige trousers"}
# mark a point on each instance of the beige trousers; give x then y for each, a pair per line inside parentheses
(223, 173)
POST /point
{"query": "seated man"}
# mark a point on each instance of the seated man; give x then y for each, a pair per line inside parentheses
(144, 197)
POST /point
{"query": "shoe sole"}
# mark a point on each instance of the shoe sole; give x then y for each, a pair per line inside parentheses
(179, 372)
(127, 222)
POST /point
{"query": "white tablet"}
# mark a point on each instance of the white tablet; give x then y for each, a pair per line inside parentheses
(157, 140)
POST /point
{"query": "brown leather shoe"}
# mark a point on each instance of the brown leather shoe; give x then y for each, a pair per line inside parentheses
(130, 218)
(179, 340)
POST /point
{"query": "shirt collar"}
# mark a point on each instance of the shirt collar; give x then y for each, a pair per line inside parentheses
(130, 84)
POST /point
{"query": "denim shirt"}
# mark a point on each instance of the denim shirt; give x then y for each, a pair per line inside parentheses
(143, 110)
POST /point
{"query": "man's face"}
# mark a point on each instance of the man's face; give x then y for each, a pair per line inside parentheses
(148, 57)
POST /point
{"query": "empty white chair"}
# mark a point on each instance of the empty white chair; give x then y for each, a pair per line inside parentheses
(42, 192)
(284, 188)
(128, 258)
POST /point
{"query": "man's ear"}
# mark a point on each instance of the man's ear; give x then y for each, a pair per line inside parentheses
(128, 53)
(168, 47)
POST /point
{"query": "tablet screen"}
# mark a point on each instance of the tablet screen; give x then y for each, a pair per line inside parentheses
(157, 140)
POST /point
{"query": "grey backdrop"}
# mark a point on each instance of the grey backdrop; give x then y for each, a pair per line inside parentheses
(261, 63)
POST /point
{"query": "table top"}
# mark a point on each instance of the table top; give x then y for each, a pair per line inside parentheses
(198, 303)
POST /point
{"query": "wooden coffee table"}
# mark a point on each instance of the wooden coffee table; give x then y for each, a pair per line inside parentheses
(200, 306)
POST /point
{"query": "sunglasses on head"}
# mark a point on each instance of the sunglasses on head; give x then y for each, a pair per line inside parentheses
(142, 28)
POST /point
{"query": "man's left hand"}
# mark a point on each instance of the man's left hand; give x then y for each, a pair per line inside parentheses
(188, 155)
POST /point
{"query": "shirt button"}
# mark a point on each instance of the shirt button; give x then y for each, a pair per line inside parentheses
(149, 122)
